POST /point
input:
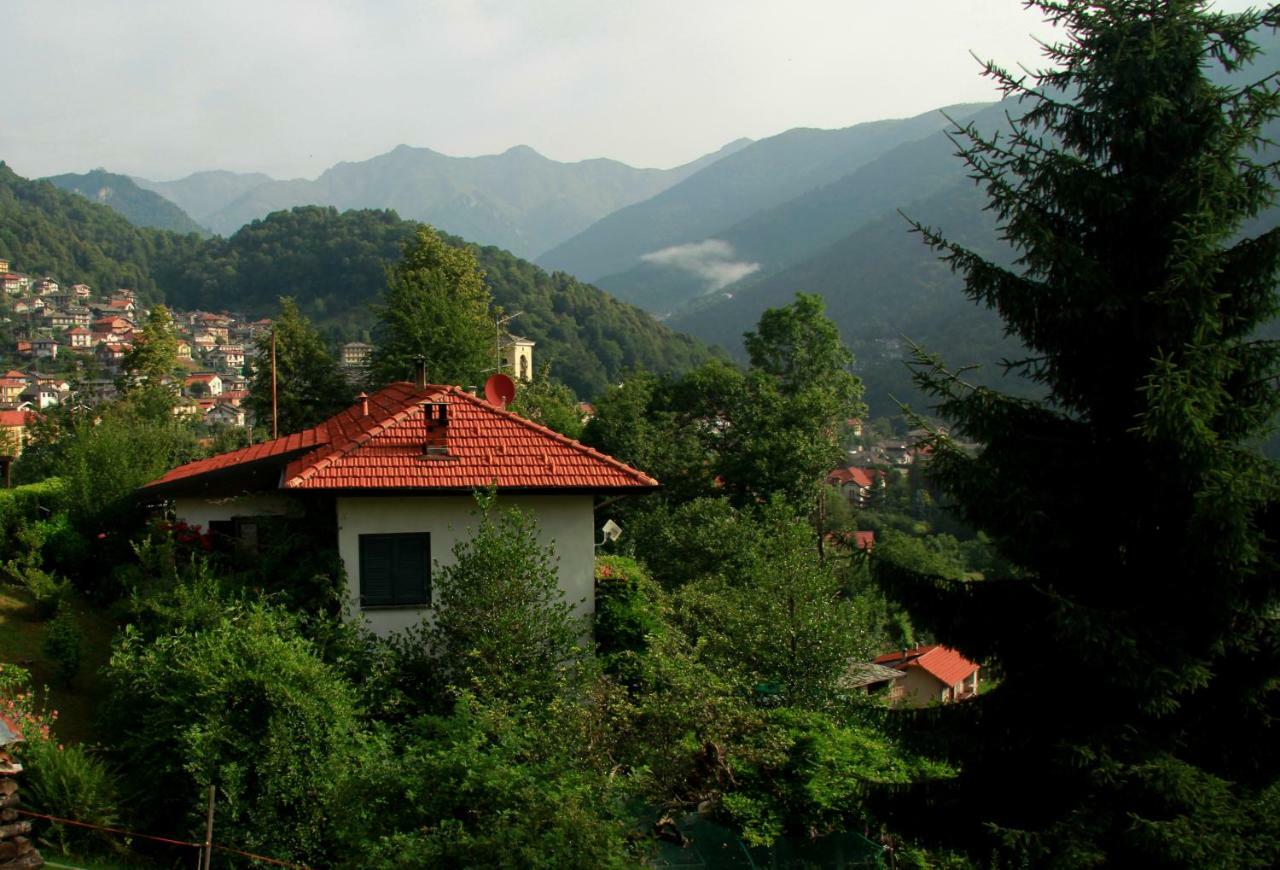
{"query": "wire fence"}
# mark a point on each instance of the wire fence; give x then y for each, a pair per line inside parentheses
(218, 847)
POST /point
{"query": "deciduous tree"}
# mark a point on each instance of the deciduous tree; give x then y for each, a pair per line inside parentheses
(437, 307)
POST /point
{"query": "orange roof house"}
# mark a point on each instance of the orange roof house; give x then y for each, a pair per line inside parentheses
(399, 469)
(934, 674)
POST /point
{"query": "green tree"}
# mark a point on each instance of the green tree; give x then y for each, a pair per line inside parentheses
(437, 307)
(1135, 725)
(309, 386)
(246, 705)
(782, 625)
(550, 403)
(151, 364)
(502, 625)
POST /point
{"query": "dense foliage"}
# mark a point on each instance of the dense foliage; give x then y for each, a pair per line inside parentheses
(335, 265)
(436, 311)
(46, 231)
(1141, 524)
(309, 387)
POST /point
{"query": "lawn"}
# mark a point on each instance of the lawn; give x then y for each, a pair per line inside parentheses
(21, 636)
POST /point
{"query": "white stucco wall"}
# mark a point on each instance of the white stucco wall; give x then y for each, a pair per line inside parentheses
(565, 522)
(199, 511)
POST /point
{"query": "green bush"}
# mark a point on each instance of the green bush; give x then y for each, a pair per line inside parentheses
(627, 606)
(47, 591)
(72, 783)
(489, 785)
(245, 704)
(26, 504)
(62, 643)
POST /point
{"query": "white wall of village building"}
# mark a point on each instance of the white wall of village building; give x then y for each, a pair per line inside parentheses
(565, 522)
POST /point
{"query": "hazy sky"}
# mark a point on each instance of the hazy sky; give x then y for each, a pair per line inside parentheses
(289, 87)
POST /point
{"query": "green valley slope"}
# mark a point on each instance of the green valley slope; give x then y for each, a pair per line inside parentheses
(335, 265)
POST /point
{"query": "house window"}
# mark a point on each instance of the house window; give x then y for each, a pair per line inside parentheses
(395, 570)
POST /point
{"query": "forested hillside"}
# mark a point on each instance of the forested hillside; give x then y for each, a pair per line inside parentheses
(761, 176)
(142, 208)
(334, 265)
(47, 231)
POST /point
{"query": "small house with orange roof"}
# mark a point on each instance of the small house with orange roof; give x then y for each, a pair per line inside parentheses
(934, 674)
(855, 484)
(396, 473)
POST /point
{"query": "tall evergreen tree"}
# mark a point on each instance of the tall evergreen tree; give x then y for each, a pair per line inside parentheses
(1139, 640)
(309, 386)
(437, 307)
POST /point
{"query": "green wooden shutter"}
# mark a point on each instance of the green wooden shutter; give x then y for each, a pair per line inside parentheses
(377, 570)
(413, 569)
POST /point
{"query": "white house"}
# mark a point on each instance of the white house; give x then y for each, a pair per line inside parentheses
(398, 471)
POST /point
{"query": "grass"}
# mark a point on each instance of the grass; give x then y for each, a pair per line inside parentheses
(21, 638)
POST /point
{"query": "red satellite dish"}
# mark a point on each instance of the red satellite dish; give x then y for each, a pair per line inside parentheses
(499, 390)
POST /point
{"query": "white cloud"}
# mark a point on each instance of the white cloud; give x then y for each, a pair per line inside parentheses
(712, 260)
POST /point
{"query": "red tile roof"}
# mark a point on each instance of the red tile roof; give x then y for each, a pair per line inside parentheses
(943, 663)
(10, 419)
(384, 450)
(864, 540)
(852, 474)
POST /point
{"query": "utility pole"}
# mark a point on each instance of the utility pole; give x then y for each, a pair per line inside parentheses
(207, 862)
(275, 417)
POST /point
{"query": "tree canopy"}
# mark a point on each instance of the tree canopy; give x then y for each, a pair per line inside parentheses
(309, 386)
(1136, 635)
(437, 308)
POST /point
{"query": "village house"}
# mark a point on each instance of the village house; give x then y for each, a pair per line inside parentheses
(12, 383)
(229, 356)
(934, 674)
(82, 291)
(80, 316)
(396, 472)
(79, 338)
(225, 414)
(113, 324)
(95, 390)
(856, 484)
(203, 384)
(232, 397)
(110, 354)
(58, 320)
(45, 348)
(233, 383)
(45, 286)
(184, 349)
(355, 354)
(28, 306)
(41, 396)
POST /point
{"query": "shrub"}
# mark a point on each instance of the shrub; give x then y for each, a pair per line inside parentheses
(627, 606)
(72, 783)
(502, 624)
(247, 705)
(62, 643)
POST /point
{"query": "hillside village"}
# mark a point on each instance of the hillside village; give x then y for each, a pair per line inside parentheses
(69, 343)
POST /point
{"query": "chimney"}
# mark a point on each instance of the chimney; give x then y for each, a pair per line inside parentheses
(435, 417)
(420, 371)
(364, 404)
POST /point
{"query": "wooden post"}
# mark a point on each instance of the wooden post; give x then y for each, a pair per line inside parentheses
(275, 428)
(207, 863)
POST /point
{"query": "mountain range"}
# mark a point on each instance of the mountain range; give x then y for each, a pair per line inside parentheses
(142, 208)
(518, 200)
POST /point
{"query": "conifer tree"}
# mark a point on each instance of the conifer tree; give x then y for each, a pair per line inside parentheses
(1138, 640)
